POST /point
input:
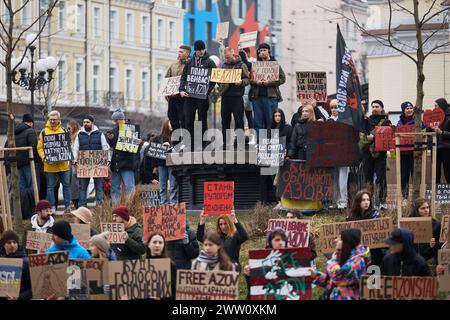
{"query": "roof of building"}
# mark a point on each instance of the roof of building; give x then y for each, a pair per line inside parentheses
(406, 27)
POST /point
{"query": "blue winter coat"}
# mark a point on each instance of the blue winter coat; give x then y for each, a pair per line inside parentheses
(73, 247)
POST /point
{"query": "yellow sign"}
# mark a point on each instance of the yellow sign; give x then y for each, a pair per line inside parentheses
(226, 75)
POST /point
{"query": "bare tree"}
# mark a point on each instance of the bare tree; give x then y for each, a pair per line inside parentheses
(425, 31)
(9, 42)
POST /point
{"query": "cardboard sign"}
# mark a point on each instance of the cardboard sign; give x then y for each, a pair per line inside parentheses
(297, 231)
(38, 241)
(128, 140)
(266, 71)
(81, 232)
(10, 277)
(312, 86)
(218, 197)
(169, 86)
(444, 279)
(207, 285)
(297, 181)
(332, 144)
(373, 233)
(433, 118)
(280, 274)
(140, 279)
(398, 288)
(57, 148)
(445, 229)
(226, 75)
(271, 153)
(248, 40)
(97, 278)
(116, 232)
(407, 140)
(222, 31)
(150, 196)
(420, 226)
(77, 285)
(169, 220)
(158, 150)
(198, 83)
(384, 138)
(93, 164)
(48, 272)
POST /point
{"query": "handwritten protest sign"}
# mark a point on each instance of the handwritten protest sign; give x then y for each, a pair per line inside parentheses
(169, 86)
(10, 277)
(140, 279)
(158, 150)
(444, 278)
(218, 197)
(420, 226)
(48, 274)
(433, 118)
(222, 30)
(38, 241)
(150, 195)
(331, 144)
(57, 148)
(312, 86)
(116, 232)
(226, 75)
(297, 231)
(280, 274)
(81, 232)
(97, 278)
(445, 229)
(442, 193)
(373, 233)
(248, 40)
(398, 288)
(271, 153)
(207, 285)
(384, 138)
(198, 82)
(92, 164)
(77, 285)
(169, 220)
(266, 71)
(297, 181)
(128, 140)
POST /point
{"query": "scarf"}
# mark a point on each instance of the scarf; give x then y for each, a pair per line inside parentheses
(205, 263)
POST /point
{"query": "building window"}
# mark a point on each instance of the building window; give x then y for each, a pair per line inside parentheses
(209, 35)
(172, 39)
(191, 31)
(144, 84)
(95, 83)
(128, 84)
(80, 18)
(112, 79)
(62, 76)
(160, 32)
(189, 6)
(78, 77)
(159, 79)
(25, 12)
(129, 27)
(62, 16)
(145, 39)
(113, 25)
(241, 9)
(209, 5)
(97, 22)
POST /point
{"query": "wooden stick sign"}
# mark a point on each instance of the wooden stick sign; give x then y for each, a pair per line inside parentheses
(116, 232)
(420, 226)
(444, 278)
(248, 40)
(266, 71)
(218, 197)
(398, 288)
(226, 75)
(170, 86)
(39, 241)
(222, 31)
(170, 220)
(128, 140)
(92, 164)
(297, 231)
(445, 229)
(312, 86)
(10, 277)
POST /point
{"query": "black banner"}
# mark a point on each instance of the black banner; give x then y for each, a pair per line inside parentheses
(57, 148)
(198, 82)
(158, 150)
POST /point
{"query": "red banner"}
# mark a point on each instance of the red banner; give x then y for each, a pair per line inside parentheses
(434, 118)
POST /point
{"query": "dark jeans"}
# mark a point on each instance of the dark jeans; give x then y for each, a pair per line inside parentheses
(406, 170)
(376, 166)
(443, 159)
(235, 106)
(249, 116)
(176, 113)
(191, 105)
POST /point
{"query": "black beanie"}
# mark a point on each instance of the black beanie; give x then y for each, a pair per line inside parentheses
(27, 118)
(378, 102)
(264, 46)
(199, 45)
(63, 230)
(90, 118)
(7, 236)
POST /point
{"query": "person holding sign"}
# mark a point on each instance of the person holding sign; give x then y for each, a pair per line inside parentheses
(176, 102)
(84, 216)
(64, 240)
(345, 269)
(100, 247)
(443, 153)
(183, 251)
(265, 95)
(213, 256)
(90, 138)
(9, 248)
(57, 170)
(231, 232)
(403, 259)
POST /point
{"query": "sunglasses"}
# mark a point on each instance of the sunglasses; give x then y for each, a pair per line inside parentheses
(333, 108)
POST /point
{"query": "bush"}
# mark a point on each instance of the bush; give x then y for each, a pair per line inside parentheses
(260, 216)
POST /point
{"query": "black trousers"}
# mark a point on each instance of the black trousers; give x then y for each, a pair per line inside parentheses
(376, 166)
(406, 171)
(232, 106)
(249, 116)
(176, 113)
(191, 106)
(443, 159)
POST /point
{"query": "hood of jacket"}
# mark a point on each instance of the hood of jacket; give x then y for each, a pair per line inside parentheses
(35, 225)
(94, 129)
(21, 127)
(50, 130)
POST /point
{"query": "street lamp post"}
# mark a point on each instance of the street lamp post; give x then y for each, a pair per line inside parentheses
(33, 75)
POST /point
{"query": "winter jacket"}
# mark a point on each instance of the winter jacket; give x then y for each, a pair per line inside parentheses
(37, 228)
(55, 167)
(25, 137)
(199, 62)
(235, 90)
(297, 148)
(134, 247)
(231, 245)
(342, 282)
(120, 160)
(285, 130)
(76, 251)
(25, 282)
(408, 263)
(273, 87)
(298, 115)
(369, 125)
(424, 249)
(93, 140)
(176, 69)
(369, 214)
(183, 253)
(444, 138)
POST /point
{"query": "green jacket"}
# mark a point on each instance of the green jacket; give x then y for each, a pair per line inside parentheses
(134, 247)
(273, 89)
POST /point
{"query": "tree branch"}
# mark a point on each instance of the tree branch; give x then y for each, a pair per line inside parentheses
(434, 15)
(446, 44)
(403, 8)
(21, 8)
(6, 5)
(437, 29)
(4, 28)
(428, 12)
